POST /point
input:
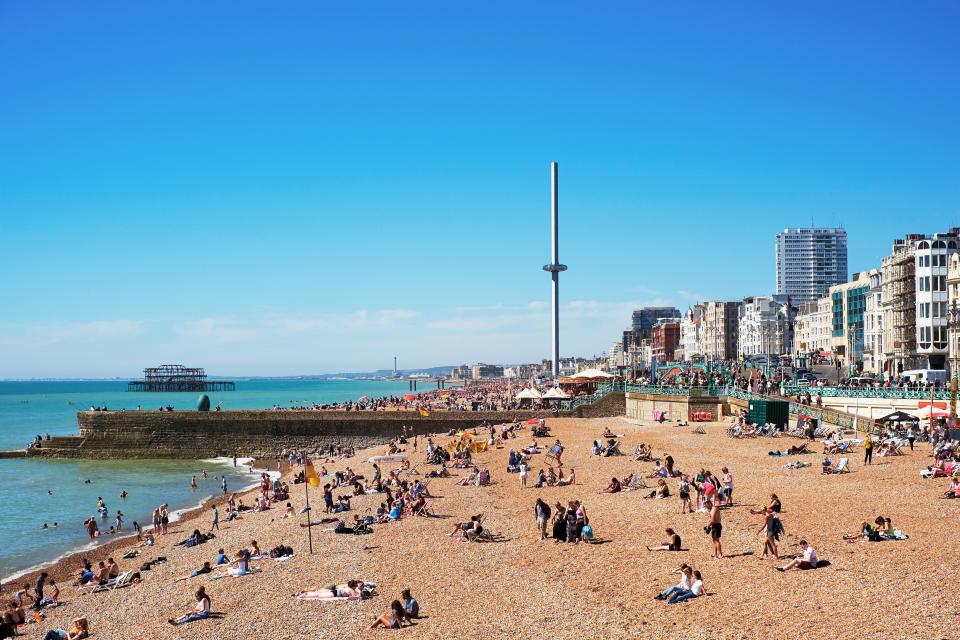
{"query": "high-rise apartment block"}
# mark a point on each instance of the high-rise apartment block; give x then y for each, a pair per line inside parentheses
(810, 261)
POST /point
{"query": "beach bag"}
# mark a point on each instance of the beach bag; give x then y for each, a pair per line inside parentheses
(587, 532)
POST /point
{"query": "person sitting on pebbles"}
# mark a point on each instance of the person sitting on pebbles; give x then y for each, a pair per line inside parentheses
(807, 561)
(393, 619)
(199, 611)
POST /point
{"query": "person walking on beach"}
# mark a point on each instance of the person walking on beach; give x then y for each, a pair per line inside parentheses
(714, 527)
(867, 449)
(164, 519)
(773, 528)
(524, 469)
(216, 519)
(542, 512)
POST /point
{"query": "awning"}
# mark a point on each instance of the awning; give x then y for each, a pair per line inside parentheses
(528, 394)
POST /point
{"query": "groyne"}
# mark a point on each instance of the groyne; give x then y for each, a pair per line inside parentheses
(259, 434)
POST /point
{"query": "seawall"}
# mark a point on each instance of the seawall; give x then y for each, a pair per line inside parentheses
(261, 434)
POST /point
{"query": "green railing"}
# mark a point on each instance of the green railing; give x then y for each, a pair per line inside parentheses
(603, 389)
(887, 394)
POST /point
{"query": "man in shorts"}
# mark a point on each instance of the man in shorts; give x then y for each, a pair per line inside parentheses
(714, 528)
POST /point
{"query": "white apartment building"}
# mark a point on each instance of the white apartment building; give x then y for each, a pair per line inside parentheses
(931, 257)
(810, 261)
(691, 335)
(765, 327)
(873, 347)
(813, 327)
(953, 307)
(615, 358)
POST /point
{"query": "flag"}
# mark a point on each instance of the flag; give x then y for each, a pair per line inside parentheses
(311, 475)
(424, 413)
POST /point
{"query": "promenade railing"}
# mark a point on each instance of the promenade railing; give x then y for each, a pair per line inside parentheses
(859, 392)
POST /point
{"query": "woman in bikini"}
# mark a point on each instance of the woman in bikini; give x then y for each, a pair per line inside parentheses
(394, 619)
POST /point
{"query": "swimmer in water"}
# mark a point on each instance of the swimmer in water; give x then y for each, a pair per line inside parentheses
(86, 482)
(44, 526)
(49, 493)
(123, 494)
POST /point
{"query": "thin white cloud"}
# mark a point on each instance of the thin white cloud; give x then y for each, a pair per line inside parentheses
(217, 330)
(92, 331)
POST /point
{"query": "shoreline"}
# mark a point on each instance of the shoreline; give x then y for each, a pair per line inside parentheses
(103, 550)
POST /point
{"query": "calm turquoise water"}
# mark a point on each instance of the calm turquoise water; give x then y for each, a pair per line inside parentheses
(31, 408)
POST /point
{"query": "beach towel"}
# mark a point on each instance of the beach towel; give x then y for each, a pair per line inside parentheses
(325, 594)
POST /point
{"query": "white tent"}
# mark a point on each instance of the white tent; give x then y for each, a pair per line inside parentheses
(591, 374)
(556, 393)
(528, 394)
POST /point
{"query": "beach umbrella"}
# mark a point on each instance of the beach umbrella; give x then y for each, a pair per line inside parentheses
(898, 416)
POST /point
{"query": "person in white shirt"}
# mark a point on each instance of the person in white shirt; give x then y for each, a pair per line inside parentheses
(686, 581)
(696, 590)
(807, 561)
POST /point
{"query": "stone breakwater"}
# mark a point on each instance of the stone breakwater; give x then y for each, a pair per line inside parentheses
(259, 434)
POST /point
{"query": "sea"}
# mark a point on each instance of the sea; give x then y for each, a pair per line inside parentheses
(35, 492)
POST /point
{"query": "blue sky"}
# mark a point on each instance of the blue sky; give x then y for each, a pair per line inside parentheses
(264, 188)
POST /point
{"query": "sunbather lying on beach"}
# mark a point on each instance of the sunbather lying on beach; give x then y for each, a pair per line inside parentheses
(79, 630)
(202, 570)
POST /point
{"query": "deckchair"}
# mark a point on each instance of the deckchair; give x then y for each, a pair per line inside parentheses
(122, 580)
(641, 456)
(841, 466)
(699, 429)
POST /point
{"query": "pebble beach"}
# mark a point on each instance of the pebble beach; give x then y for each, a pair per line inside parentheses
(521, 586)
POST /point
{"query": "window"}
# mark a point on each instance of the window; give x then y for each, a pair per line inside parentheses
(924, 309)
(939, 283)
